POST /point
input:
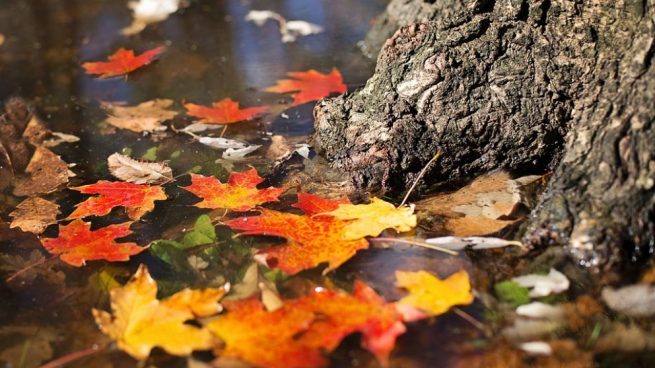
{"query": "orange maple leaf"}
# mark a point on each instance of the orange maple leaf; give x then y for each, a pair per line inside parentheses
(296, 334)
(138, 199)
(239, 194)
(122, 62)
(77, 244)
(225, 111)
(310, 85)
(311, 240)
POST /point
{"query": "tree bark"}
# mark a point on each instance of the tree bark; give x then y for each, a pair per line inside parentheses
(524, 85)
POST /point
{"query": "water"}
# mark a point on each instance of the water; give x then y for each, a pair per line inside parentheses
(212, 53)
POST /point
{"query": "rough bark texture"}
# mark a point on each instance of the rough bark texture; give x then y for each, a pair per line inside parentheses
(524, 85)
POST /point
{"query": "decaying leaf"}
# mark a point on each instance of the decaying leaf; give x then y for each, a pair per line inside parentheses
(290, 30)
(542, 285)
(237, 153)
(29, 346)
(310, 85)
(59, 138)
(432, 295)
(122, 62)
(221, 143)
(225, 111)
(311, 240)
(240, 193)
(139, 321)
(481, 207)
(47, 173)
(147, 12)
(34, 215)
(471, 242)
(144, 117)
(77, 243)
(137, 199)
(373, 218)
(138, 172)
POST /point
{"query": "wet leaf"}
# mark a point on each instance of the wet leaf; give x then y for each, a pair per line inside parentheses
(122, 62)
(481, 207)
(311, 240)
(432, 295)
(146, 12)
(290, 30)
(253, 282)
(310, 85)
(59, 138)
(144, 117)
(225, 111)
(240, 193)
(139, 321)
(137, 199)
(633, 300)
(543, 285)
(47, 173)
(34, 215)
(471, 242)
(512, 292)
(77, 243)
(203, 233)
(30, 346)
(373, 218)
(138, 172)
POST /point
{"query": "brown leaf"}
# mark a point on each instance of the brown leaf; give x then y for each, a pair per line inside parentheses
(35, 132)
(6, 168)
(481, 207)
(47, 173)
(34, 215)
(145, 117)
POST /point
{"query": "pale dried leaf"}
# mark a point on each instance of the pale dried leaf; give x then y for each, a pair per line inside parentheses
(34, 215)
(59, 138)
(544, 285)
(536, 348)
(200, 127)
(222, 143)
(634, 300)
(290, 30)
(144, 117)
(147, 12)
(232, 153)
(138, 172)
(472, 242)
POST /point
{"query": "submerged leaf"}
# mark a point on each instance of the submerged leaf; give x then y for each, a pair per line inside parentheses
(122, 62)
(138, 172)
(77, 244)
(139, 321)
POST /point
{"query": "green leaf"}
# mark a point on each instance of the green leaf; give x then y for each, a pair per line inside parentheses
(170, 252)
(151, 154)
(513, 293)
(203, 233)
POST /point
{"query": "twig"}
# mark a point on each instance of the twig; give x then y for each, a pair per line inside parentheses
(414, 242)
(74, 356)
(420, 175)
(470, 319)
(27, 268)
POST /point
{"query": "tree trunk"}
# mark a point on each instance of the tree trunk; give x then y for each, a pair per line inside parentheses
(525, 85)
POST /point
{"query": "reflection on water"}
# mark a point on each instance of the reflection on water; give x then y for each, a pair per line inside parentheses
(212, 53)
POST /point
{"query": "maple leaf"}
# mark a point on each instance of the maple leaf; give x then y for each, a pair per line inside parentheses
(432, 295)
(239, 194)
(312, 204)
(77, 244)
(139, 322)
(225, 111)
(310, 85)
(265, 338)
(138, 199)
(310, 240)
(145, 117)
(373, 218)
(122, 62)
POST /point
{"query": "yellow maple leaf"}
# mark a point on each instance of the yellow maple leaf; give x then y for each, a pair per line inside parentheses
(139, 321)
(432, 295)
(373, 218)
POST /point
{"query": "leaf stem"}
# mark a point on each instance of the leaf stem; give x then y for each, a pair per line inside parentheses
(74, 356)
(27, 268)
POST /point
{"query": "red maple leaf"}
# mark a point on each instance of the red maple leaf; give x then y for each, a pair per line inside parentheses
(122, 62)
(310, 85)
(296, 334)
(225, 111)
(77, 244)
(138, 199)
(311, 240)
(239, 194)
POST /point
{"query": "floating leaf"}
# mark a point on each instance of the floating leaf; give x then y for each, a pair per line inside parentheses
(47, 173)
(225, 111)
(290, 30)
(144, 117)
(239, 194)
(373, 218)
(139, 322)
(138, 199)
(122, 62)
(77, 244)
(543, 285)
(236, 153)
(471, 242)
(138, 172)
(34, 215)
(146, 12)
(203, 233)
(310, 240)
(432, 295)
(310, 85)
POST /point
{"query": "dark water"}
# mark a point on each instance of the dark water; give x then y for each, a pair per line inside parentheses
(212, 53)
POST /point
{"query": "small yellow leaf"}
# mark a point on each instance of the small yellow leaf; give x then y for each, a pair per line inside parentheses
(432, 295)
(139, 321)
(373, 218)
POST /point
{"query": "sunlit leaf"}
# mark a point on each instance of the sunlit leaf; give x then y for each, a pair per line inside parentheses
(122, 62)
(432, 295)
(373, 218)
(310, 85)
(225, 111)
(136, 198)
